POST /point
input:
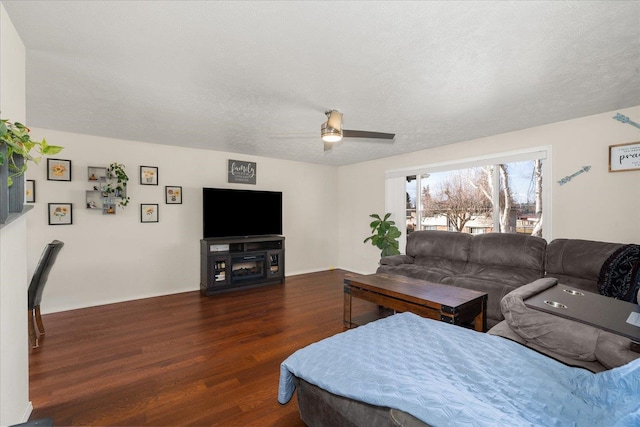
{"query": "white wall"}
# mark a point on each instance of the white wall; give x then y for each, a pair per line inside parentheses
(111, 258)
(14, 345)
(598, 205)
(157, 259)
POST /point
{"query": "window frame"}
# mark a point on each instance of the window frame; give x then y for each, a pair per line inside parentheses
(392, 179)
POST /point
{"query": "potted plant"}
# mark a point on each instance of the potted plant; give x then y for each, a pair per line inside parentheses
(15, 151)
(385, 235)
(117, 180)
(16, 144)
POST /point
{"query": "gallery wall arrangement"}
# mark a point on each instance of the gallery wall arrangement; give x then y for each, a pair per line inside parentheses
(106, 192)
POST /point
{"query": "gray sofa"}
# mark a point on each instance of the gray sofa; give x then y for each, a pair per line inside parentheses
(495, 263)
(498, 263)
(510, 268)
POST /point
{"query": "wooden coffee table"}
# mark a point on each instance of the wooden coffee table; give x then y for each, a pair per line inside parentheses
(458, 306)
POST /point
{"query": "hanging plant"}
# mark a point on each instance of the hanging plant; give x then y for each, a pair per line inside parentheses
(117, 180)
(19, 145)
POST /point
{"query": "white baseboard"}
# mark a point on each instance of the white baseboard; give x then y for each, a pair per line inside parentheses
(177, 291)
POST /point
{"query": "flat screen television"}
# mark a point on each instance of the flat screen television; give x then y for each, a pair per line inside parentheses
(235, 213)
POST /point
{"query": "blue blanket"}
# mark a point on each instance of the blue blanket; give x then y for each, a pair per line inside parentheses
(445, 375)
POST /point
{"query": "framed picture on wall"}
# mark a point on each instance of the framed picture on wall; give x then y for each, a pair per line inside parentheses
(30, 191)
(58, 170)
(148, 212)
(60, 213)
(173, 195)
(624, 157)
(148, 175)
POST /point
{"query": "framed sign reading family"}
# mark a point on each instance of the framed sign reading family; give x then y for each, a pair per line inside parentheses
(240, 172)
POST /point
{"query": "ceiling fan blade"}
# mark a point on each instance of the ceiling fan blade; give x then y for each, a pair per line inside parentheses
(366, 134)
(335, 119)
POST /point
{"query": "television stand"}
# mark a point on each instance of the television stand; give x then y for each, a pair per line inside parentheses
(229, 263)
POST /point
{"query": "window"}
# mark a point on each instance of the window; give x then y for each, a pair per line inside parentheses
(502, 193)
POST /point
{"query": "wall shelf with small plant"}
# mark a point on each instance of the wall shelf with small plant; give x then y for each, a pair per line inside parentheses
(109, 188)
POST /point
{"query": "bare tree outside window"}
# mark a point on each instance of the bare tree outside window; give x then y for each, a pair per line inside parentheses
(458, 198)
(465, 200)
(504, 197)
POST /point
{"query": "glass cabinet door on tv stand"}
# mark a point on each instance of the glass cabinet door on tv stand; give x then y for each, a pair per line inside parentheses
(220, 270)
(275, 260)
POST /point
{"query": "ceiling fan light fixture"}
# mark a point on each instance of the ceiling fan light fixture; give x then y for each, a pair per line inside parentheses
(330, 134)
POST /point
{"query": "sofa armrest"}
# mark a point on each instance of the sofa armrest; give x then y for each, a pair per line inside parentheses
(533, 288)
(397, 260)
(565, 337)
(562, 336)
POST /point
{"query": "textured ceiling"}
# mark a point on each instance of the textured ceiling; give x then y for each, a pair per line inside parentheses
(256, 77)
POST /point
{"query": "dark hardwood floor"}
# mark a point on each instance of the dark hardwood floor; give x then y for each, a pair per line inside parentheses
(182, 359)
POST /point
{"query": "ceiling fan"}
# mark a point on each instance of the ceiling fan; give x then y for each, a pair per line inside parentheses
(332, 131)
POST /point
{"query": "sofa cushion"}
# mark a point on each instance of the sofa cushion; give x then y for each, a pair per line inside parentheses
(452, 267)
(576, 262)
(434, 275)
(494, 289)
(512, 276)
(396, 260)
(439, 244)
(508, 250)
